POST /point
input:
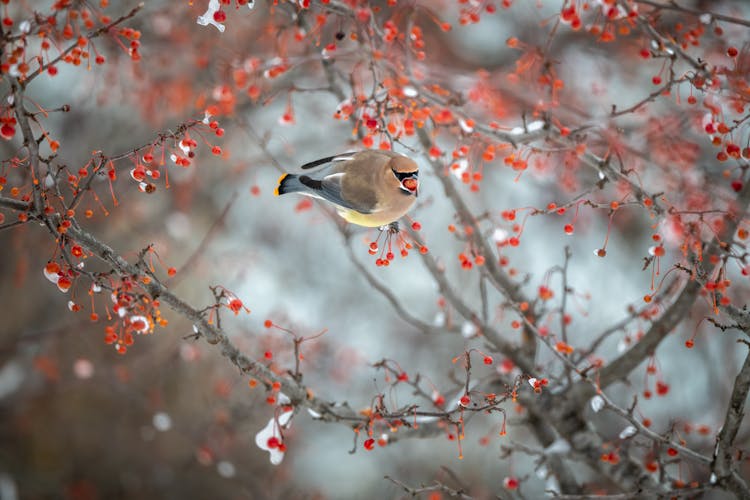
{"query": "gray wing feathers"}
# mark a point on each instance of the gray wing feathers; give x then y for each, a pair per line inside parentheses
(331, 190)
(328, 188)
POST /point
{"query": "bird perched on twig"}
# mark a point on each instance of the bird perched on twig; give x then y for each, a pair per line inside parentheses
(369, 188)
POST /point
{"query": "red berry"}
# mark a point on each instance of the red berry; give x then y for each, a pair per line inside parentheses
(273, 442)
(7, 131)
(510, 483)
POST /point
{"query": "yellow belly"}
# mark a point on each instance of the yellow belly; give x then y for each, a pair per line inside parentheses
(369, 220)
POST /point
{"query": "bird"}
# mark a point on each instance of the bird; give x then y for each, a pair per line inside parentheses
(369, 188)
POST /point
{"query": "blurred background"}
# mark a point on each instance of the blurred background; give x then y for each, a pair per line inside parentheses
(172, 418)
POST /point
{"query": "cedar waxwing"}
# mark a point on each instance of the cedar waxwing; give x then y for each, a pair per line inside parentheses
(370, 188)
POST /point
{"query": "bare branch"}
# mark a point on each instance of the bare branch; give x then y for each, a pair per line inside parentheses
(673, 5)
(437, 487)
(723, 459)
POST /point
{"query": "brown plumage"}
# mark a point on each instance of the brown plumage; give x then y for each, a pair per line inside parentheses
(370, 188)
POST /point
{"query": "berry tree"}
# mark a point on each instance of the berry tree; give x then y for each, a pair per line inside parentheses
(563, 313)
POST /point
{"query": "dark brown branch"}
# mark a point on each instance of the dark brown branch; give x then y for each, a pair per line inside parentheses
(30, 143)
(673, 5)
(20, 206)
(437, 487)
(297, 393)
(680, 493)
(723, 461)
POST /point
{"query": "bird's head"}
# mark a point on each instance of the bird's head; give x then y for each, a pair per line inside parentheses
(406, 172)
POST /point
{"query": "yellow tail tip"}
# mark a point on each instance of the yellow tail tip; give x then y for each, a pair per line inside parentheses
(278, 184)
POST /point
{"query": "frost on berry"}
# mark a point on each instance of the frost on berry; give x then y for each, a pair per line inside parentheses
(64, 284)
(52, 272)
(460, 167)
(139, 323)
(270, 438)
(211, 15)
(438, 399)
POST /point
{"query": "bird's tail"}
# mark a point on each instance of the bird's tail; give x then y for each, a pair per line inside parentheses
(288, 183)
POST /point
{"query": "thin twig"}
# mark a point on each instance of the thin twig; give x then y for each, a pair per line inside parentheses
(89, 36)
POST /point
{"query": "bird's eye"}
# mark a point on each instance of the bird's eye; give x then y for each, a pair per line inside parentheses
(404, 175)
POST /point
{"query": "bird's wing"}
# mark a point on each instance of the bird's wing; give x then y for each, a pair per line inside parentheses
(329, 188)
(330, 159)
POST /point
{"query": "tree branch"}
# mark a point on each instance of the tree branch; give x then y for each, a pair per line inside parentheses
(722, 464)
(673, 5)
